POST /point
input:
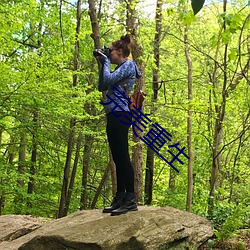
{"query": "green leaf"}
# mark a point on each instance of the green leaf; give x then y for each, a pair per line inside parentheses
(210, 244)
(226, 36)
(170, 11)
(188, 17)
(233, 54)
(197, 5)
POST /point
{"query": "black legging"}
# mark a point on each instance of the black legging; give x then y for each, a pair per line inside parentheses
(117, 133)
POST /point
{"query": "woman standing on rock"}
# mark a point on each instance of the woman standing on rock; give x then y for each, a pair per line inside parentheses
(117, 131)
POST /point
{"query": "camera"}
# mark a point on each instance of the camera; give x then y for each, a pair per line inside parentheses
(106, 51)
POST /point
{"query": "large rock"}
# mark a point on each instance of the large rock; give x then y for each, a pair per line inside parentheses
(147, 229)
(15, 226)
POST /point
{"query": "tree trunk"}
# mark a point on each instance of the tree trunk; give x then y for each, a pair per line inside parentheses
(98, 191)
(172, 179)
(217, 142)
(33, 157)
(19, 198)
(85, 170)
(73, 174)
(97, 44)
(172, 172)
(1, 180)
(35, 112)
(150, 153)
(237, 156)
(189, 125)
(64, 191)
(94, 24)
(77, 43)
(137, 52)
(11, 155)
(21, 159)
(66, 170)
(2, 200)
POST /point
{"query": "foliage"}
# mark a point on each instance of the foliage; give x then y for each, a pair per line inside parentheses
(237, 220)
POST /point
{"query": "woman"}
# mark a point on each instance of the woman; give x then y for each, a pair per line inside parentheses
(117, 132)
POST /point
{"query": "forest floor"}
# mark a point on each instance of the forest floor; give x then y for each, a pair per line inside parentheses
(235, 243)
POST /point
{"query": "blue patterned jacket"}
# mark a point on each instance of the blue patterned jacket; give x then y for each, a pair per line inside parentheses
(128, 71)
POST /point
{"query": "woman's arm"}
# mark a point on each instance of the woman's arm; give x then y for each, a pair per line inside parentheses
(101, 86)
(123, 72)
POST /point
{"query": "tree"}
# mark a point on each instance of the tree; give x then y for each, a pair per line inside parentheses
(150, 153)
(137, 52)
(189, 124)
(220, 107)
(64, 200)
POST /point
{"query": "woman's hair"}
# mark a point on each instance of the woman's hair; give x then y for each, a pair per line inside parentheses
(124, 44)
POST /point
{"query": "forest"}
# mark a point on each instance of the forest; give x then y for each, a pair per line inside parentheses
(195, 61)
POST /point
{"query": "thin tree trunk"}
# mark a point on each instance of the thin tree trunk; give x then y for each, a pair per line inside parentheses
(148, 189)
(234, 167)
(22, 159)
(1, 180)
(217, 142)
(66, 170)
(172, 172)
(77, 43)
(95, 24)
(150, 153)
(32, 167)
(88, 139)
(73, 174)
(35, 112)
(2, 201)
(189, 125)
(137, 52)
(19, 199)
(85, 170)
(11, 155)
(64, 191)
(97, 44)
(34, 144)
(172, 179)
(98, 191)
(33, 157)
(78, 144)
(2, 197)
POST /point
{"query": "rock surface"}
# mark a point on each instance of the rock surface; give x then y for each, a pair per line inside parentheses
(15, 226)
(147, 229)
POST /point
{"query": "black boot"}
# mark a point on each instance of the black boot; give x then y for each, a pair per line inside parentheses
(116, 203)
(128, 204)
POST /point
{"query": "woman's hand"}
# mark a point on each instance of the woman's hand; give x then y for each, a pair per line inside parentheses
(101, 58)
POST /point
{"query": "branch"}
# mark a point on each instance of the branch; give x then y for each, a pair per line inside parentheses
(245, 128)
(239, 58)
(27, 78)
(191, 45)
(241, 75)
(68, 3)
(27, 44)
(12, 53)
